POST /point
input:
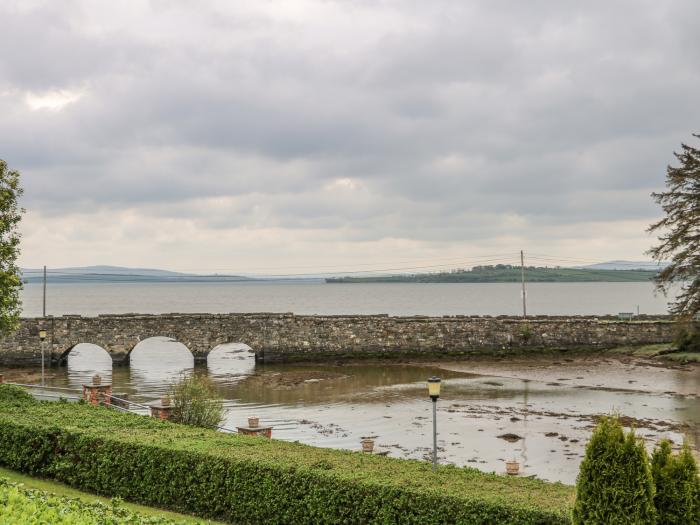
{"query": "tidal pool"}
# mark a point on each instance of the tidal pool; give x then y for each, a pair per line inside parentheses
(538, 410)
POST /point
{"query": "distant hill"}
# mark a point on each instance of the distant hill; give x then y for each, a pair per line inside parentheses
(503, 273)
(627, 265)
(120, 274)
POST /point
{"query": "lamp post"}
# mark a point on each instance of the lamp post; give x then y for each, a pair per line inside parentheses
(434, 393)
(42, 336)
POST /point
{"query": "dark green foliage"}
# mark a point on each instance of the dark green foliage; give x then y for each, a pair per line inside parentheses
(197, 402)
(10, 281)
(249, 480)
(14, 395)
(19, 505)
(679, 239)
(687, 336)
(677, 484)
(505, 273)
(614, 485)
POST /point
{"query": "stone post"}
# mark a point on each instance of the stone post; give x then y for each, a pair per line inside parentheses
(255, 431)
(160, 411)
(97, 392)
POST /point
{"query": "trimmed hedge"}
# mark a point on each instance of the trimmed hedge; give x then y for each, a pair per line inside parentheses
(250, 480)
(21, 505)
(14, 395)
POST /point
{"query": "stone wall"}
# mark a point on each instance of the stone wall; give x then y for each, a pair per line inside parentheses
(288, 337)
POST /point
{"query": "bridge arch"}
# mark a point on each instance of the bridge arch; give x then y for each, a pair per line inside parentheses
(81, 348)
(83, 361)
(165, 347)
(157, 360)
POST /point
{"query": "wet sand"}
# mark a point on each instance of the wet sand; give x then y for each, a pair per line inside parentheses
(602, 371)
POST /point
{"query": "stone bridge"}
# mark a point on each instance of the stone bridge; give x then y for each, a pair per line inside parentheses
(289, 337)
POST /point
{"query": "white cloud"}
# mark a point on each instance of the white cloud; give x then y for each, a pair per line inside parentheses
(55, 100)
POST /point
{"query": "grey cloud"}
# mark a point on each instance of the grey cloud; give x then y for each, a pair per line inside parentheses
(442, 112)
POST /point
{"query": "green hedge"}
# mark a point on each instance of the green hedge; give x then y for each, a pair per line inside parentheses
(249, 480)
(19, 505)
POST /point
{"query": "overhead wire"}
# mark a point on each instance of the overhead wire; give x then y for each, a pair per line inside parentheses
(80, 275)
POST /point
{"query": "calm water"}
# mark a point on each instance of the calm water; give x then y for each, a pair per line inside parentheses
(548, 405)
(320, 298)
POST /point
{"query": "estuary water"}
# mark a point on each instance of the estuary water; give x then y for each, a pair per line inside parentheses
(321, 298)
(538, 410)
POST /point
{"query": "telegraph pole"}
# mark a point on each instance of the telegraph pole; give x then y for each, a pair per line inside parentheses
(44, 307)
(522, 279)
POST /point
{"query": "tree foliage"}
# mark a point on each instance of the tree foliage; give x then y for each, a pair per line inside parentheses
(679, 232)
(197, 402)
(10, 281)
(615, 484)
(677, 498)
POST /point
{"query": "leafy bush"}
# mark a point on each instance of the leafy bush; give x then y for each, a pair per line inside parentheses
(19, 505)
(14, 395)
(197, 402)
(687, 336)
(614, 485)
(249, 480)
(677, 484)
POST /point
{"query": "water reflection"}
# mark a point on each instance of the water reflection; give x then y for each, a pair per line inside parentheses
(84, 361)
(229, 363)
(156, 363)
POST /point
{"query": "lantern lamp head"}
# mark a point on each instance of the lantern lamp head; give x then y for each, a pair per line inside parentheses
(434, 388)
(42, 334)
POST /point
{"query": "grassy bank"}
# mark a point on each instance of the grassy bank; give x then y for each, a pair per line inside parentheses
(54, 488)
(254, 480)
(20, 504)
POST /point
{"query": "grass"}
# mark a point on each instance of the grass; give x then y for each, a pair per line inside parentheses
(664, 351)
(642, 351)
(59, 489)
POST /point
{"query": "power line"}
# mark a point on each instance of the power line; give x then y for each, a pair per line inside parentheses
(66, 275)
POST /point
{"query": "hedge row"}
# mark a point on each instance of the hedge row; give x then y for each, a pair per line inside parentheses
(21, 505)
(249, 480)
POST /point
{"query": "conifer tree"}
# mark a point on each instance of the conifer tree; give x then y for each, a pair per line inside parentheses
(677, 498)
(679, 232)
(614, 485)
(10, 281)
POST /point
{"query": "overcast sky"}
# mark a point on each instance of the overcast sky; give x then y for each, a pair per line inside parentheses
(293, 135)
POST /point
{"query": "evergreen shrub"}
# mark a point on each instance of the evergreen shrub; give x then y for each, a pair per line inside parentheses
(614, 485)
(677, 484)
(687, 336)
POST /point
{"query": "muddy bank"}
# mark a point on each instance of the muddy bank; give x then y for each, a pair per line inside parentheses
(603, 371)
(291, 380)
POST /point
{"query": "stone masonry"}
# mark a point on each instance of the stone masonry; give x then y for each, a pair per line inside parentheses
(289, 337)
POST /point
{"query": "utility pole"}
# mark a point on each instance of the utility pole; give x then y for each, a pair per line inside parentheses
(522, 279)
(44, 308)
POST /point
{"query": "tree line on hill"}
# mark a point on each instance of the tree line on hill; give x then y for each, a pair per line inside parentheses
(506, 273)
